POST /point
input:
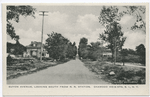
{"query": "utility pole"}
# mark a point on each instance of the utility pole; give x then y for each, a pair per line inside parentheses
(43, 14)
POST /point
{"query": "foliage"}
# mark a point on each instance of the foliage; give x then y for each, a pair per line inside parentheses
(56, 45)
(141, 73)
(82, 49)
(141, 52)
(92, 51)
(130, 51)
(13, 13)
(139, 13)
(128, 55)
(60, 47)
(9, 60)
(110, 14)
(113, 36)
(123, 74)
(71, 50)
(95, 51)
(123, 53)
(16, 49)
(130, 58)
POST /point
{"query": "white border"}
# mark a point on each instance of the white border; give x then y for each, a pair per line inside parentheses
(56, 1)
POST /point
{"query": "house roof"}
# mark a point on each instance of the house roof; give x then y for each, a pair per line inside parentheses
(34, 45)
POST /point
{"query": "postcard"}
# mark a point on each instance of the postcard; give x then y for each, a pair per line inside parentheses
(75, 49)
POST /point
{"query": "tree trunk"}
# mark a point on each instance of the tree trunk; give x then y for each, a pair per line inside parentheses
(112, 54)
(115, 52)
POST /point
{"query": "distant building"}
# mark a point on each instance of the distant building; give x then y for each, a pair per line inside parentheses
(107, 52)
(34, 50)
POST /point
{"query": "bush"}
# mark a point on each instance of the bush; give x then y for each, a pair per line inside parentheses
(20, 68)
(62, 58)
(46, 58)
(141, 73)
(21, 61)
(129, 58)
(121, 75)
(9, 60)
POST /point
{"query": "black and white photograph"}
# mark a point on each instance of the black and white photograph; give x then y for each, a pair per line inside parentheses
(76, 44)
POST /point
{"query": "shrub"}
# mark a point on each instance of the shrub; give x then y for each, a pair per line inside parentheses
(141, 73)
(122, 74)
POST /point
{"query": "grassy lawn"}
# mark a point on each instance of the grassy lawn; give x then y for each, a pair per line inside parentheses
(117, 74)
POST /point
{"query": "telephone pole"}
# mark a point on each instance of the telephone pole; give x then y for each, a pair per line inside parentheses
(43, 14)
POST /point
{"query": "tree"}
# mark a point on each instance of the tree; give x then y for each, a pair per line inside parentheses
(112, 13)
(95, 51)
(139, 13)
(13, 13)
(108, 15)
(95, 45)
(60, 47)
(91, 51)
(141, 52)
(131, 51)
(83, 41)
(18, 49)
(82, 49)
(75, 49)
(56, 45)
(71, 50)
(113, 35)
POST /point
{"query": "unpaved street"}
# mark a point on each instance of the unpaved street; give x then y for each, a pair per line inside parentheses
(72, 72)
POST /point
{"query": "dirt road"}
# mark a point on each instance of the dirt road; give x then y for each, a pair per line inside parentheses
(72, 72)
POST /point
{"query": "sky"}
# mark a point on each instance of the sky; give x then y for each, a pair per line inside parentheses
(73, 22)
